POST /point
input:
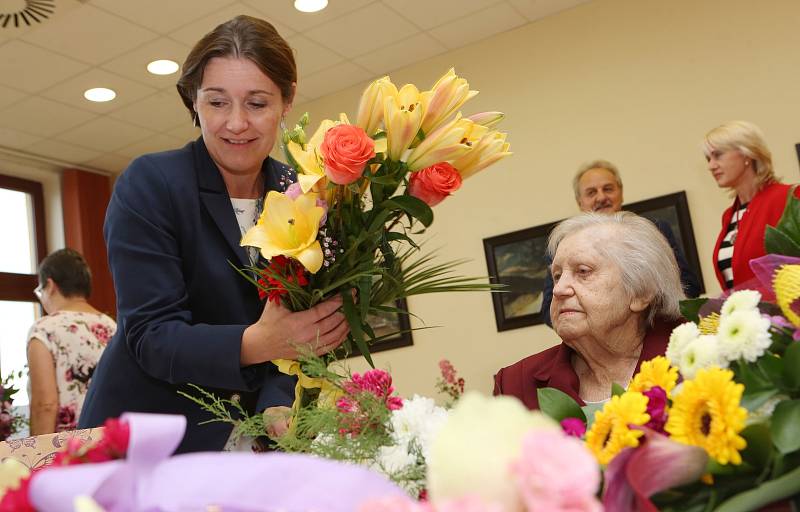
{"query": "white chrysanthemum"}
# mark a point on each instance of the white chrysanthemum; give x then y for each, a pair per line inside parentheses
(700, 353)
(472, 452)
(417, 422)
(742, 300)
(681, 337)
(744, 334)
(395, 458)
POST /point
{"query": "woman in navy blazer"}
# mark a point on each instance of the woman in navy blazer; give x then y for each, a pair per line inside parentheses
(184, 314)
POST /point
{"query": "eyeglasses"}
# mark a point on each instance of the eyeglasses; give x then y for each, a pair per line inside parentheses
(38, 291)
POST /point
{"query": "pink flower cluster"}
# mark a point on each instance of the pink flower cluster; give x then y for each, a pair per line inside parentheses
(374, 384)
(449, 383)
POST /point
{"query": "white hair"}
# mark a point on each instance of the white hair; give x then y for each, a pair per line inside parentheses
(644, 257)
(588, 166)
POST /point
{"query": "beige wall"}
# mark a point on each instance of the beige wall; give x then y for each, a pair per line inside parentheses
(637, 82)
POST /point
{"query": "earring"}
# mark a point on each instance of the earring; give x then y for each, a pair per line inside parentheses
(195, 120)
(283, 123)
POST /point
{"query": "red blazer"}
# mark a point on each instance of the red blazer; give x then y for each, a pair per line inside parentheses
(553, 368)
(765, 209)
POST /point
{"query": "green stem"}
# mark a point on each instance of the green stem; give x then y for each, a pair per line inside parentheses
(769, 492)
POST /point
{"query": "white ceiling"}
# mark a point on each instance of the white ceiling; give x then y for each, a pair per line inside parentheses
(44, 68)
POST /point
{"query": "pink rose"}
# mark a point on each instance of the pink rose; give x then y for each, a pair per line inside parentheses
(432, 184)
(556, 472)
(346, 149)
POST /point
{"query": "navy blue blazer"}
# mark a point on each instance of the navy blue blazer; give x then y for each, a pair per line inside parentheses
(172, 238)
(691, 284)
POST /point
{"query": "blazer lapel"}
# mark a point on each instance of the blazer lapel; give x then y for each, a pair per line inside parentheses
(215, 197)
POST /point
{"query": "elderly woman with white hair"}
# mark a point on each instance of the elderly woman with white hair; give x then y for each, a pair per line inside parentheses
(615, 302)
(740, 161)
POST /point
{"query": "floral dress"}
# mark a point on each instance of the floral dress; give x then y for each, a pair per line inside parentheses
(76, 340)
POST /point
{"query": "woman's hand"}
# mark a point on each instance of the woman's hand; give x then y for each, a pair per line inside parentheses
(282, 334)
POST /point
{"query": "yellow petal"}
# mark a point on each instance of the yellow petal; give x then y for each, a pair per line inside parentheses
(311, 257)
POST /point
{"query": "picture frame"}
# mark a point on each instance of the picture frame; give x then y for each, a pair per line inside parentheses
(674, 210)
(385, 323)
(517, 259)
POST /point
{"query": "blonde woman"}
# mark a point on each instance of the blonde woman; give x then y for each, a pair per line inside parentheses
(740, 161)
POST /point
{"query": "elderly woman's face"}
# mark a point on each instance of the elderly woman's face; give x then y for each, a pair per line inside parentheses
(729, 168)
(239, 108)
(588, 296)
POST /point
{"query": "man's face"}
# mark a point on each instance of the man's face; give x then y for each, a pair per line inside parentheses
(599, 192)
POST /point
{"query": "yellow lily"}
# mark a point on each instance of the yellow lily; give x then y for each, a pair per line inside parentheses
(328, 392)
(444, 100)
(370, 107)
(450, 142)
(488, 150)
(309, 159)
(487, 119)
(402, 117)
(289, 228)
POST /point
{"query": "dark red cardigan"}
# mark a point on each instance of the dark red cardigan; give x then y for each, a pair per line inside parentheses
(553, 368)
(764, 209)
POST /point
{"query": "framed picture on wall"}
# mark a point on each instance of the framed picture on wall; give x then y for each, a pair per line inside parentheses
(388, 322)
(517, 260)
(673, 209)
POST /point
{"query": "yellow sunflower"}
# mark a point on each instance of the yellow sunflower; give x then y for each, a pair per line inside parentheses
(706, 413)
(655, 372)
(611, 432)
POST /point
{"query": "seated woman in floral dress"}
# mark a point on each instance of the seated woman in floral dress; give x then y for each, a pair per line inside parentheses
(65, 345)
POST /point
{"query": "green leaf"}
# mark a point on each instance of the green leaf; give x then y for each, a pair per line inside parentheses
(559, 405)
(383, 180)
(690, 308)
(759, 444)
(364, 287)
(354, 321)
(616, 389)
(768, 492)
(786, 426)
(753, 381)
(779, 242)
(752, 401)
(413, 207)
(791, 366)
(789, 222)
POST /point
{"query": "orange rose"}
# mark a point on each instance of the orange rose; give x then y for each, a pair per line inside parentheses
(432, 184)
(346, 150)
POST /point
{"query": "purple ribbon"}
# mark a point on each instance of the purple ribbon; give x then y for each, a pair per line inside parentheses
(148, 480)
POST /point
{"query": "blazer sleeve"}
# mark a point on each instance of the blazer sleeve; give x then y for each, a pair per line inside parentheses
(691, 284)
(143, 236)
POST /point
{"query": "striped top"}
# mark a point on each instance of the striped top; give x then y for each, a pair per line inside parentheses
(725, 256)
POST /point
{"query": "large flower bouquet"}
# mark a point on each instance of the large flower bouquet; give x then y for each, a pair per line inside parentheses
(363, 191)
(714, 425)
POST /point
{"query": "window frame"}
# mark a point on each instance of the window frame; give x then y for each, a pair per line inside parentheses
(19, 287)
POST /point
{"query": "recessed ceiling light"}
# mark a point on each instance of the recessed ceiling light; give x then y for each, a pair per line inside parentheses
(99, 94)
(310, 5)
(163, 67)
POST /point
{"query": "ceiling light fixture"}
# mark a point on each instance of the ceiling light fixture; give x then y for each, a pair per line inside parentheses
(162, 67)
(310, 5)
(25, 12)
(99, 94)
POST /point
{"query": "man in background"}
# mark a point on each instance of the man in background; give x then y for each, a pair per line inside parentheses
(598, 188)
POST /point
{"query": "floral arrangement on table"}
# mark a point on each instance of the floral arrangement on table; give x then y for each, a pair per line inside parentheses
(358, 418)
(15, 477)
(364, 191)
(10, 421)
(719, 416)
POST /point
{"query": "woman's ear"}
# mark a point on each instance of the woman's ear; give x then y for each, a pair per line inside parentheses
(639, 304)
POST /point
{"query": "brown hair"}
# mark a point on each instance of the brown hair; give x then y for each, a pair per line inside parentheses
(68, 269)
(242, 37)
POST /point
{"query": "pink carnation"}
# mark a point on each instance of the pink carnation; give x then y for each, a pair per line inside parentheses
(377, 382)
(656, 408)
(394, 504)
(556, 473)
(467, 504)
(573, 427)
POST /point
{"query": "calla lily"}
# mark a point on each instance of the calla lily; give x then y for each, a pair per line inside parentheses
(489, 149)
(444, 100)
(631, 480)
(288, 227)
(448, 143)
(402, 118)
(487, 119)
(371, 106)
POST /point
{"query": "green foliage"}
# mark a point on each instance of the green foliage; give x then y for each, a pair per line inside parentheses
(559, 405)
(784, 238)
(786, 426)
(690, 308)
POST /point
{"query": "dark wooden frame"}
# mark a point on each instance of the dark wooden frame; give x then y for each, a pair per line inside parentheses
(402, 339)
(490, 247)
(19, 287)
(685, 234)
